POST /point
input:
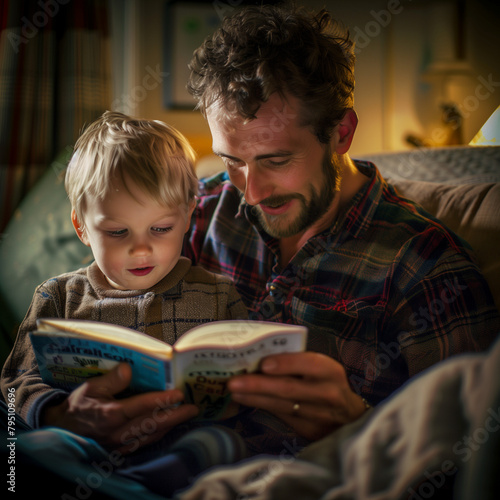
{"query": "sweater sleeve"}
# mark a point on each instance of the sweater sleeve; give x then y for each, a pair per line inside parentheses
(20, 372)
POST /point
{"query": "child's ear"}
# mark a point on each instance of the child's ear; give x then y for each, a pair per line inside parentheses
(80, 231)
(345, 132)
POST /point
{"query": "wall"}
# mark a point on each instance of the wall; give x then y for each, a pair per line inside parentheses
(139, 92)
(407, 63)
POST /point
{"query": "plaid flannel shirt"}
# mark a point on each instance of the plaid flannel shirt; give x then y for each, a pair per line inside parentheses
(387, 291)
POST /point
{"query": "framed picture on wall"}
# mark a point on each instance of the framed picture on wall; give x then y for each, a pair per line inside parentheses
(186, 25)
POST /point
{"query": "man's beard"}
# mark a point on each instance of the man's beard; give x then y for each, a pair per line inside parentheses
(311, 211)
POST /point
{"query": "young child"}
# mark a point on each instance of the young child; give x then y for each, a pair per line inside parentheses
(132, 188)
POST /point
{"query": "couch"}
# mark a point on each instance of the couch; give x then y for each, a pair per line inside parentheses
(460, 185)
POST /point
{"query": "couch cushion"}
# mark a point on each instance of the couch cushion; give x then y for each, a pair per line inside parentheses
(39, 242)
(470, 210)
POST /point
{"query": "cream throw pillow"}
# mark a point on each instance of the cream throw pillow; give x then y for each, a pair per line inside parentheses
(470, 210)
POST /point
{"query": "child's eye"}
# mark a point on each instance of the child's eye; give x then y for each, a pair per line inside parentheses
(162, 229)
(118, 232)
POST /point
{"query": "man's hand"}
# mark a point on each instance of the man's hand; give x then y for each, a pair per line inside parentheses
(126, 424)
(315, 382)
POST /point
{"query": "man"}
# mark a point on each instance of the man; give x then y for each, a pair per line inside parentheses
(311, 237)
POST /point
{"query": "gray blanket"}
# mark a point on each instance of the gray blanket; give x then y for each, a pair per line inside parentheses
(437, 437)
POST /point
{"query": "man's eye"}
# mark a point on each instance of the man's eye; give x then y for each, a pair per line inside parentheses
(281, 163)
(232, 164)
(162, 229)
(118, 232)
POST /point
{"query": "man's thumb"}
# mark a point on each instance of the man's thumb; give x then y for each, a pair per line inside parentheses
(111, 383)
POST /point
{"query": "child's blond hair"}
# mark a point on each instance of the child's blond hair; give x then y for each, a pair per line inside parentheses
(154, 156)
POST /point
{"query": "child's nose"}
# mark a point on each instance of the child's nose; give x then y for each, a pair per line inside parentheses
(140, 247)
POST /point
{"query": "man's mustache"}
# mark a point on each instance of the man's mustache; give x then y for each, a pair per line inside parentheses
(278, 200)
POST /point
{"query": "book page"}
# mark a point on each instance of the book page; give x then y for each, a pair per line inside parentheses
(233, 334)
(104, 332)
(66, 362)
(204, 372)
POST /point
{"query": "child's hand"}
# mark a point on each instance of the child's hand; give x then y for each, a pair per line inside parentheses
(124, 424)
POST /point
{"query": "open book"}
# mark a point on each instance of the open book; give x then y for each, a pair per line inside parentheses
(69, 352)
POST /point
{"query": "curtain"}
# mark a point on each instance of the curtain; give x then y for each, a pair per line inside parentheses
(55, 78)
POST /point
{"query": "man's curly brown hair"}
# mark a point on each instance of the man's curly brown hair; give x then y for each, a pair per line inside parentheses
(259, 51)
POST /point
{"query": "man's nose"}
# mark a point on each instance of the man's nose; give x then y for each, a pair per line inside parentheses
(257, 186)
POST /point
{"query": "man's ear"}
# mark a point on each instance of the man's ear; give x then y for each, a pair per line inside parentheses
(345, 132)
(80, 231)
(191, 207)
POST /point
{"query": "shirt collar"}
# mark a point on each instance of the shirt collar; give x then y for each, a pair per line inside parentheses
(358, 215)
